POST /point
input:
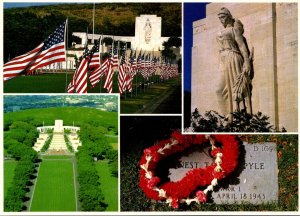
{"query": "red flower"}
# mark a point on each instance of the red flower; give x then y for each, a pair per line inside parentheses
(215, 152)
(201, 196)
(153, 182)
(194, 178)
(174, 203)
(147, 151)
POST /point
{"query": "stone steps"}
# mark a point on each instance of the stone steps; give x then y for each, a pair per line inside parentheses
(58, 142)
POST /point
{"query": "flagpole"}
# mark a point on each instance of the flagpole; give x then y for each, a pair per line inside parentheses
(100, 55)
(66, 41)
(93, 23)
(125, 70)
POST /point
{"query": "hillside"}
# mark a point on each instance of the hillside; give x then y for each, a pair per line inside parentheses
(25, 28)
(78, 115)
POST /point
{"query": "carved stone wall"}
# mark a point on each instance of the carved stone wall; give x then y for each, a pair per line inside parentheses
(271, 28)
(148, 33)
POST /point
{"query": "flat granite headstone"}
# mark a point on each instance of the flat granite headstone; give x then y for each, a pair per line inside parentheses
(254, 181)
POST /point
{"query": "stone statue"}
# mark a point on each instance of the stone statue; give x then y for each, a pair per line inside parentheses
(148, 30)
(234, 89)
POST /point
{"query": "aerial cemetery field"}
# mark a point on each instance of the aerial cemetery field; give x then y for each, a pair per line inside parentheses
(55, 189)
(56, 180)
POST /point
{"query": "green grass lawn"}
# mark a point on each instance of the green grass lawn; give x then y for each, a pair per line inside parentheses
(54, 190)
(9, 172)
(109, 185)
(144, 97)
(68, 115)
(54, 157)
(46, 83)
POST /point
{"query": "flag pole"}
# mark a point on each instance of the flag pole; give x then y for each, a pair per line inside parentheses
(93, 23)
(66, 42)
(125, 70)
(100, 56)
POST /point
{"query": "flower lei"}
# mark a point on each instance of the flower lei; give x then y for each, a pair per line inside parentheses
(226, 160)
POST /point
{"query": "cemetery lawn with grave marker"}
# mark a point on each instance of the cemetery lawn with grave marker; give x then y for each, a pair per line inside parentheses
(108, 185)
(133, 198)
(9, 172)
(54, 189)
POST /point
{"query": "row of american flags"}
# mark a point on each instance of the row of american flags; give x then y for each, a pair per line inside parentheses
(91, 67)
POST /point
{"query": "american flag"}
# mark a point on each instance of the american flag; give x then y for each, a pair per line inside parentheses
(95, 60)
(97, 73)
(50, 51)
(132, 61)
(114, 58)
(79, 81)
(122, 75)
(139, 61)
(109, 77)
(145, 68)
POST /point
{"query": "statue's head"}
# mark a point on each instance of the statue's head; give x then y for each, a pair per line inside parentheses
(225, 16)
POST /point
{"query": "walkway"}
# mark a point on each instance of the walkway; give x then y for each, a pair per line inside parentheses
(58, 142)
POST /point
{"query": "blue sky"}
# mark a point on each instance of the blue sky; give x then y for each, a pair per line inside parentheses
(27, 4)
(192, 12)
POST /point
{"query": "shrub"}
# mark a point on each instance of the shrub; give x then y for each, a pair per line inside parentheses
(212, 121)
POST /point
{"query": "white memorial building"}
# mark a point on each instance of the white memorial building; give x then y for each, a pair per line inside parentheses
(58, 142)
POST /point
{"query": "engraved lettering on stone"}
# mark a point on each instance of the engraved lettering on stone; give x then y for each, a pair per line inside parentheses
(256, 183)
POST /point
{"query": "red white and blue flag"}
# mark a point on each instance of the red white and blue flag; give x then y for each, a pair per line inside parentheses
(98, 72)
(50, 51)
(122, 75)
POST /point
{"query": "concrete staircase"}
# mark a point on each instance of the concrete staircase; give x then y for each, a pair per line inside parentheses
(58, 142)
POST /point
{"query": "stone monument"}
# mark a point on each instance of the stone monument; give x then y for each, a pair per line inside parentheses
(271, 29)
(148, 33)
(254, 181)
(58, 126)
(235, 66)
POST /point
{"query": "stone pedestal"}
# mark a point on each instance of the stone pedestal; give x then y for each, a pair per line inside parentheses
(270, 28)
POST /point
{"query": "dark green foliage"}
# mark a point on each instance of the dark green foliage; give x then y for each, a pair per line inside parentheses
(69, 146)
(90, 195)
(212, 121)
(18, 143)
(107, 40)
(47, 143)
(7, 124)
(173, 41)
(95, 146)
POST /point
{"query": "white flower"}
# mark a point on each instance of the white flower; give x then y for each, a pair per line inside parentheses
(210, 188)
(160, 151)
(219, 154)
(161, 193)
(218, 160)
(167, 146)
(149, 175)
(214, 182)
(145, 167)
(148, 158)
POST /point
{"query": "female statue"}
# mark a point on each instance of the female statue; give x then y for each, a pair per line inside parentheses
(235, 64)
